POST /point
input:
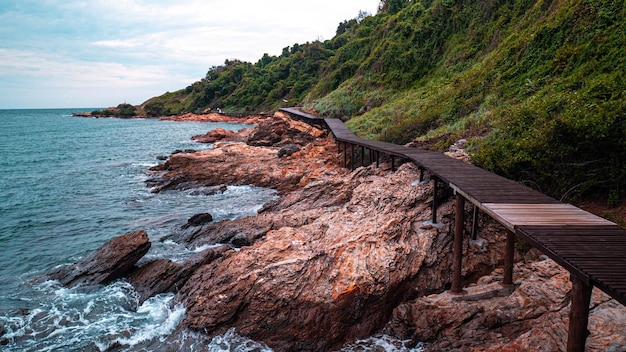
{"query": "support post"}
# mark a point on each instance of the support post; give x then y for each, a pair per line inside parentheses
(475, 223)
(509, 258)
(352, 156)
(435, 191)
(362, 155)
(338, 146)
(457, 252)
(345, 155)
(393, 163)
(421, 174)
(377, 159)
(578, 315)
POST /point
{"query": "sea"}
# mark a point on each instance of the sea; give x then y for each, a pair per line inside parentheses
(67, 185)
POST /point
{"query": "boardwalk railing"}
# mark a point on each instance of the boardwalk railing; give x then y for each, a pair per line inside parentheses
(591, 248)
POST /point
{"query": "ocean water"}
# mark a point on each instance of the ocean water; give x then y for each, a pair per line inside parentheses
(68, 184)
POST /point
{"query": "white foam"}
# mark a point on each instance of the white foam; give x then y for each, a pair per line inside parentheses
(231, 341)
(381, 343)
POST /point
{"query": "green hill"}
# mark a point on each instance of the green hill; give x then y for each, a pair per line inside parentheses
(537, 87)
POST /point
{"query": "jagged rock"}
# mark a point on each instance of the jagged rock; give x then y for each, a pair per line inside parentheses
(109, 262)
(220, 134)
(198, 220)
(163, 275)
(333, 266)
(288, 150)
(241, 164)
(282, 129)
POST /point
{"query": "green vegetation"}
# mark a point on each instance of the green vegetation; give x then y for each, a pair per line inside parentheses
(122, 110)
(536, 86)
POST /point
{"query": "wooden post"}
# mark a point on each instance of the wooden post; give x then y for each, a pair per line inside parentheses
(393, 163)
(352, 156)
(362, 155)
(421, 174)
(475, 223)
(434, 209)
(377, 159)
(345, 155)
(509, 258)
(457, 252)
(578, 315)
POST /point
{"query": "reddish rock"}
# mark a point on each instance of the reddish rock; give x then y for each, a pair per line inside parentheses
(340, 254)
(220, 134)
(110, 262)
(243, 164)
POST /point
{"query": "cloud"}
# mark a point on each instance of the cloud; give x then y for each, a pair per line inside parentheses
(142, 48)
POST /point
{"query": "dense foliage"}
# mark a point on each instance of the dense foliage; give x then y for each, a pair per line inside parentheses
(537, 86)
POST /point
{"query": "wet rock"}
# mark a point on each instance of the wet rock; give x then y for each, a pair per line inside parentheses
(163, 275)
(209, 191)
(288, 150)
(198, 220)
(184, 151)
(110, 262)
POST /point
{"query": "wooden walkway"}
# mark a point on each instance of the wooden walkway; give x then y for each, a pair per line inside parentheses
(591, 248)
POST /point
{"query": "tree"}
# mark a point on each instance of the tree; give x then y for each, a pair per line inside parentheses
(392, 6)
(126, 110)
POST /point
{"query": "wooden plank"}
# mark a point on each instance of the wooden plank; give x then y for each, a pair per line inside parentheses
(512, 215)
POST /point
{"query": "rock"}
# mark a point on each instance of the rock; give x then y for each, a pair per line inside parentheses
(282, 129)
(163, 275)
(339, 255)
(184, 151)
(288, 150)
(198, 219)
(534, 317)
(209, 191)
(110, 262)
(242, 164)
(218, 134)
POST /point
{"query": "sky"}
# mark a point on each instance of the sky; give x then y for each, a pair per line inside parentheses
(100, 53)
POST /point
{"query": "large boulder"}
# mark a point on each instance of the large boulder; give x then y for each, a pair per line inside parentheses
(108, 263)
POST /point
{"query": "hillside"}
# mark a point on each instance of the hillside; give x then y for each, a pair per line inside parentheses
(537, 87)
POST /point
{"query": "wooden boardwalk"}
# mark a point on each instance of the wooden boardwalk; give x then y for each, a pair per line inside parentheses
(591, 248)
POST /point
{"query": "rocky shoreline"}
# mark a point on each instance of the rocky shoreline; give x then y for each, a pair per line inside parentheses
(340, 256)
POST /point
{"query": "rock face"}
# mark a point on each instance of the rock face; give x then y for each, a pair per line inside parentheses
(249, 164)
(220, 134)
(110, 262)
(331, 262)
(533, 318)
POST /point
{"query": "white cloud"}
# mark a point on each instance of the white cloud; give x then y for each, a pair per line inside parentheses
(142, 48)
